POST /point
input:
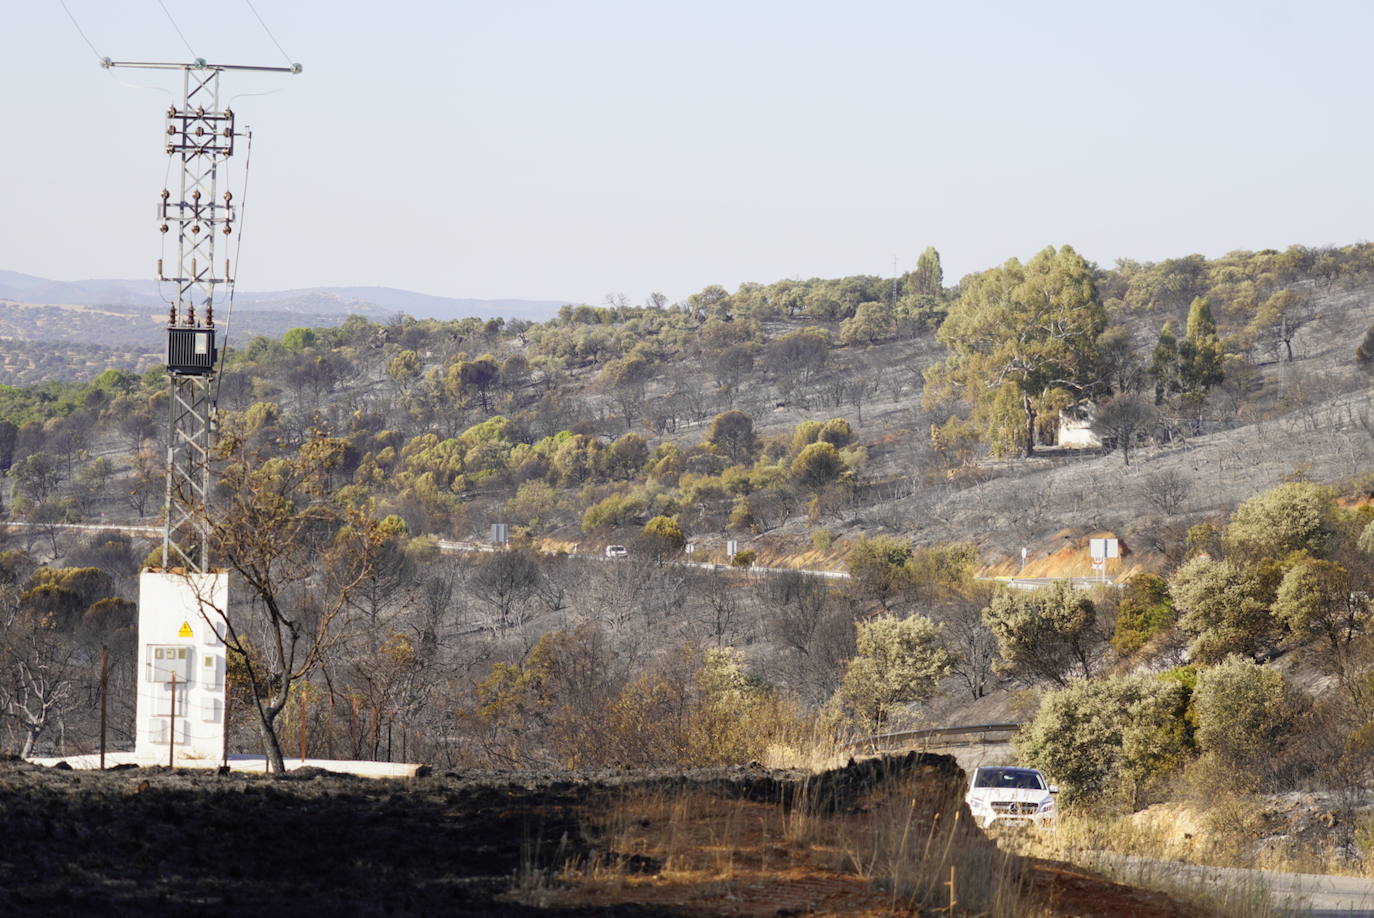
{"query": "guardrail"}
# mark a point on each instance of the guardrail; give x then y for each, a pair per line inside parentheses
(982, 733)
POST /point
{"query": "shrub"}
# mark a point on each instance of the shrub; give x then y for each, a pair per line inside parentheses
(1297, 516)
(1224, 606)
(1048, 635)
(898, 661)
(1243, 711)
(1146, 609)
(1108, 738)
(662, 537)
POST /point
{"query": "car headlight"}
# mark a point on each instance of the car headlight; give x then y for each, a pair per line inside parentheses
(976, 804)
(1047, 806)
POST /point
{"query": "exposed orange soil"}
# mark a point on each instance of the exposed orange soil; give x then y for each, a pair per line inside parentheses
(1069, 559)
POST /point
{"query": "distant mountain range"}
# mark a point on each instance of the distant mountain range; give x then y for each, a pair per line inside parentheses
(372, 302)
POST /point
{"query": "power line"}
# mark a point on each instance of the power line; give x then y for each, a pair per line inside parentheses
(268, 31)
(238, 249)
(178, 29)
(81, 31)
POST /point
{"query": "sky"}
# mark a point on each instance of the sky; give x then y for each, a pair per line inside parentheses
(560, 150)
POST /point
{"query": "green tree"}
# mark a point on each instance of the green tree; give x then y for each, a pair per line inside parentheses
(878, 568)
(1108, 737)
(1316, 603)
(872, 322)
(626, 456)
(929, 277)
(662, 538)
(731, 435)
(479, 375)
(37, 475)
(837, 433)
(1295, 516)
(1164, 364)
(298, 339)
(1047, 635)
(1224, 606)
(898, 662)
(1024, 332)
(1146, 609)
(1200, 355)
(817, 465)
(404, 368)
(1244, 713)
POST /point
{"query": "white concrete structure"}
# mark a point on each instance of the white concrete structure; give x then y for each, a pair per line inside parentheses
(1076, 427)
(180, 655)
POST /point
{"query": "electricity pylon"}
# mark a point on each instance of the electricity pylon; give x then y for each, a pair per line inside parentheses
(200, 134)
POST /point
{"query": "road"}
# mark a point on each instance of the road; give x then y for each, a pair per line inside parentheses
(458, 545)
(1305, 894)
(449, 546)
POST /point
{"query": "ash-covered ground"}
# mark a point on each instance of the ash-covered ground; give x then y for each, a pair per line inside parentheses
(153, 841)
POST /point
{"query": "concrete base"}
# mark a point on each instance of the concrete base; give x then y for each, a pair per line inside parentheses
(254, 764)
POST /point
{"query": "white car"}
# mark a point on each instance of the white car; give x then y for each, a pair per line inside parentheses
(1010, 796)
(616, 551)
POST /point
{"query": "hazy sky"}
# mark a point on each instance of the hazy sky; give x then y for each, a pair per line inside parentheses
(569, 150)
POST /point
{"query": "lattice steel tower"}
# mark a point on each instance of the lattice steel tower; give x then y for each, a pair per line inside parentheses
(200, 135)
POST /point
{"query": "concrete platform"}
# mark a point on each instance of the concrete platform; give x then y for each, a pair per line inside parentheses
(253, 764)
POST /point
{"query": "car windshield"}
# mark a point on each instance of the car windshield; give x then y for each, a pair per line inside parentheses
(1022, 778)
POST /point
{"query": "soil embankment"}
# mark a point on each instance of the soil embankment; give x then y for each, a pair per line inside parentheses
(737, 841)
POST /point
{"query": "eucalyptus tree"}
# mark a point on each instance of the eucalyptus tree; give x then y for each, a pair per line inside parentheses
(1022, 338)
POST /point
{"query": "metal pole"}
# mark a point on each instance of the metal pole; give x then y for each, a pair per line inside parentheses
(302, 721)
(172, 733)
(224, 753)
(104, 696)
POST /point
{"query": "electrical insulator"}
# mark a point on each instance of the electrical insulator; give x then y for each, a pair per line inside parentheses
(166, 194)
(163, 227)
(200, 112)
(195, 227)
(227, 229)
(171, 130)
(228, 196)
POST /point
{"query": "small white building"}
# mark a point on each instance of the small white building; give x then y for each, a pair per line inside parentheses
(1076, 427)
(181, 667)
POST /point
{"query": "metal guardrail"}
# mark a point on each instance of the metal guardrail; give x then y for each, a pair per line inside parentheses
(887, 741)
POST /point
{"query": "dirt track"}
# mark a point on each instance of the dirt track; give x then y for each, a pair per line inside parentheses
(153, 841)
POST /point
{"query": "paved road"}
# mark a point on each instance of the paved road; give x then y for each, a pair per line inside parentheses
(445, 545)
(1306, 894)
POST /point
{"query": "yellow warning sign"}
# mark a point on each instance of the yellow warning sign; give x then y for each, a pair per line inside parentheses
(186, 630)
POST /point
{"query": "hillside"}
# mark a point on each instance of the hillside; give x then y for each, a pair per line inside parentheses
(899, 431)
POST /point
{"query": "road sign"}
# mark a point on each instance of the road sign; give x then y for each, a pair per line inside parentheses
(732, 548)
(1101, 549)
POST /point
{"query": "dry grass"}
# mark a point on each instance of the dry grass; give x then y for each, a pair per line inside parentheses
(1147, 854)
(902, 847)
